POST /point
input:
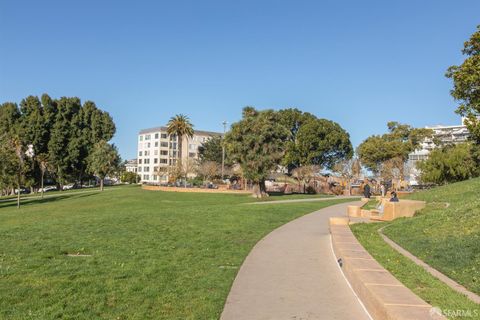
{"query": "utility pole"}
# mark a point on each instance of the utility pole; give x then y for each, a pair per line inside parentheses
(223, 148)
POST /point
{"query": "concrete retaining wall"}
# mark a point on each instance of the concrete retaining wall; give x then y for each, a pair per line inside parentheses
(382, 294)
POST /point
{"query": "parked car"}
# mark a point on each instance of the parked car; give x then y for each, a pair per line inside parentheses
(48, 188)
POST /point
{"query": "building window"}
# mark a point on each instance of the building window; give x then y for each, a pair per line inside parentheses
(146, 177)
(139, 169)
(164, 136)
(156, 135)
(147, 137)
(164, 144)
(155, 152)
(141, 138)
(155, 160)
(147, 161)
(173, 145)
(146, 169)
(148, 145)
(154, 177)
(192, 154)
(155, 169)
(139, 161)
(164, 152)
(164, 161)
(156, 143)
(147, 153)
(139, 153)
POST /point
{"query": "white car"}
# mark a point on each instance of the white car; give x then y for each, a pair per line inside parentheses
(48, 188)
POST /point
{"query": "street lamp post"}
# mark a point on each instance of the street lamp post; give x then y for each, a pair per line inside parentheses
(223, 149)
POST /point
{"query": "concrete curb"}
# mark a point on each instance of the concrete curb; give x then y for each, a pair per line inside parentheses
(382, 294)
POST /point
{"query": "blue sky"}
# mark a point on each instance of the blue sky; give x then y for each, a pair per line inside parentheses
(360, 63)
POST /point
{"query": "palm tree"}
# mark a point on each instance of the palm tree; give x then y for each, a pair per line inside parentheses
(180, 126)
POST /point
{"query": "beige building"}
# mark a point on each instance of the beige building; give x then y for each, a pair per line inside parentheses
(157, 152)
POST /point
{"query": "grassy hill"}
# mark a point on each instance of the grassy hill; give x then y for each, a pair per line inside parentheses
(128, 253)
(446, 238)
(446, 235)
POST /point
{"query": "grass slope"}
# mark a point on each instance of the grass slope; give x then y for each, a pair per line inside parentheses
(154, 255)
(447, 238)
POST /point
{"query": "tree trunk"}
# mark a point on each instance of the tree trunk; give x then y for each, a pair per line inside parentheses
(260, 190)
(101, 184)
(41, 183)
(18, 194)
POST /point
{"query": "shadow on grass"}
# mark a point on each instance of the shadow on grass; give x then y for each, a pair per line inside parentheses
(28, 202)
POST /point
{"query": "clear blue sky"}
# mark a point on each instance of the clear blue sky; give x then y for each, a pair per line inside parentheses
(360, 63)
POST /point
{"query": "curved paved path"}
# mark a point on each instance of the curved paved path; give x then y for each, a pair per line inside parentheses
(292, 274)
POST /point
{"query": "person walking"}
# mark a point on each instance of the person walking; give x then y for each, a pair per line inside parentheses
(366, 191)
(382, 190)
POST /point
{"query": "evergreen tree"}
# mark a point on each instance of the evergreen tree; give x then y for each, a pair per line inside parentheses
(104, 160)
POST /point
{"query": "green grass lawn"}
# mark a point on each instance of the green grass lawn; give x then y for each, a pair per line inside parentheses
(279, 196)
(371, 204)
(422, 283)
(154, 255)
(447, 238)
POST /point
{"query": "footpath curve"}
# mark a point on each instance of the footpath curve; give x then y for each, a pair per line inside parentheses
(293, 274)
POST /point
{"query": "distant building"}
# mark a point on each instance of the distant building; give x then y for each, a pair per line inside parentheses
(131, 165)
(158, 151)
(442, 135)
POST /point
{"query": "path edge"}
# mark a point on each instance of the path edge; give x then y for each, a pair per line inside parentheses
(380, 292)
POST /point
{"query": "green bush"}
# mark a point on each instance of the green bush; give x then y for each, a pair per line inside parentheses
(450, 164)
(130, 177)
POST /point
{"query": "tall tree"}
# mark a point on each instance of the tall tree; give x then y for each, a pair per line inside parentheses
(104, 160)
(211, 150)
(257, 144)
(180, 126)
(466, 85)
(401, 140)
(322, 142)
(293, 119)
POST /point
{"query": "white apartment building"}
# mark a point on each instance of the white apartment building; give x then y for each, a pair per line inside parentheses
(157, 151)
(443, 135)
(131, 165)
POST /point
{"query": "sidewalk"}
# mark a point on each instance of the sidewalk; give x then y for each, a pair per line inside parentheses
(292, 274)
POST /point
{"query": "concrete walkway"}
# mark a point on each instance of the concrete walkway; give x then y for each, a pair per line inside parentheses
(292, 274)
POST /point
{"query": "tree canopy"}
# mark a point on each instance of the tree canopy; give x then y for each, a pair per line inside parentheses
(211, 150)
(62, 130)
(180, 126)
(313, 141)
(400, 140)
(466, 85)
(257, 144)
(449, 164)
(264, 140)
(104, 160)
